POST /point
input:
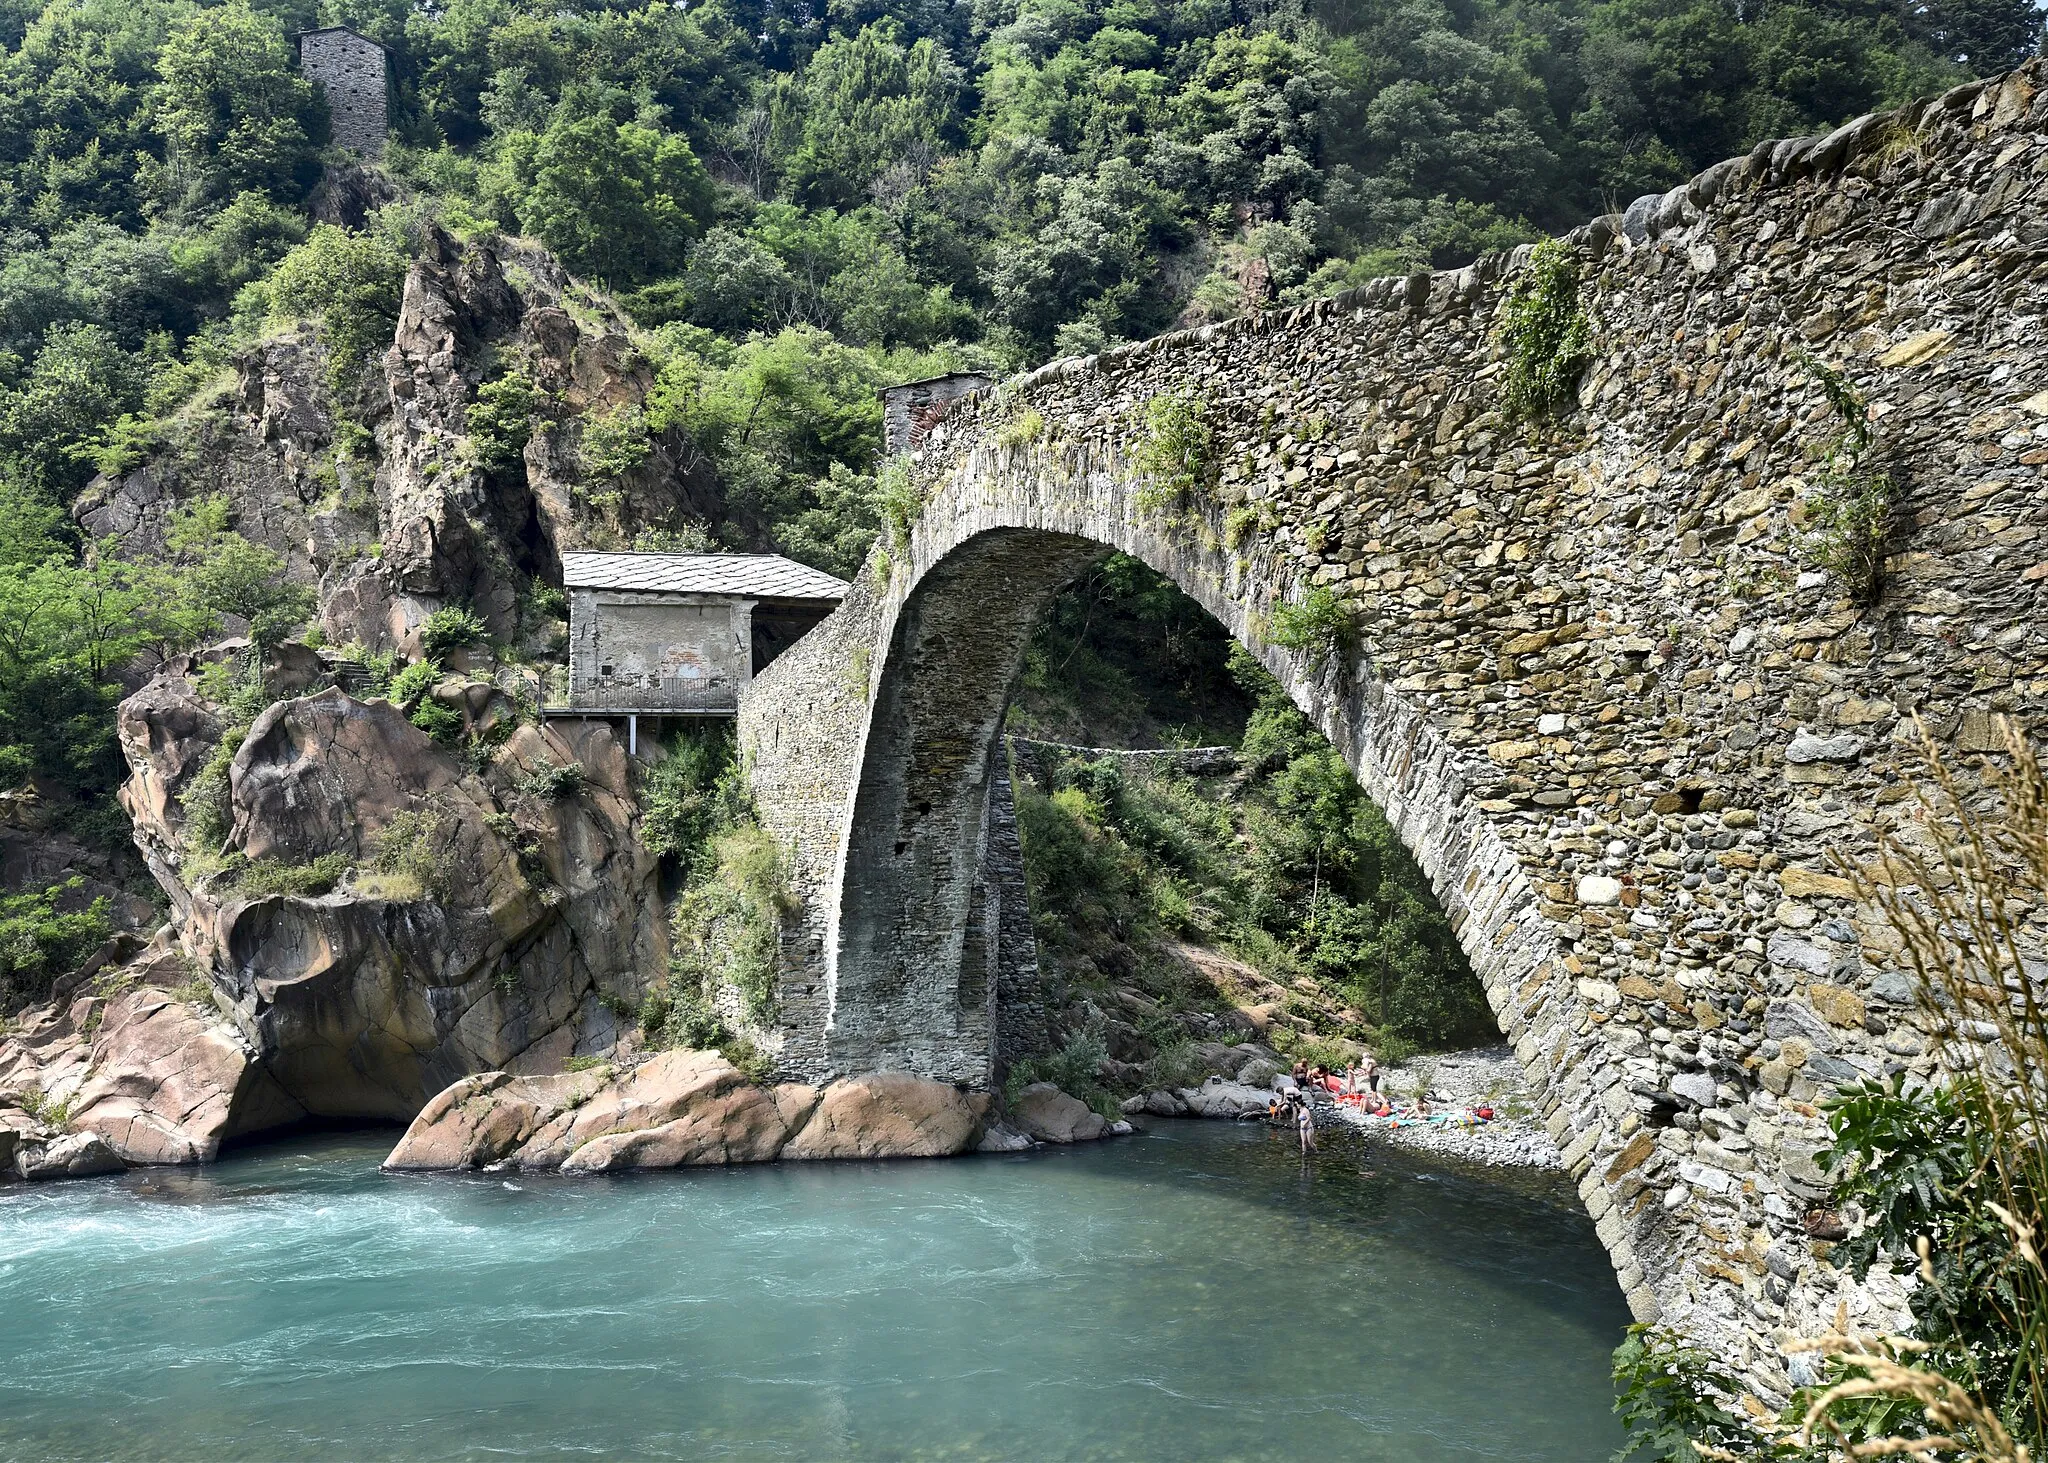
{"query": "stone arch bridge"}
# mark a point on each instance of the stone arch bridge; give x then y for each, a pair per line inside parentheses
(1620, 723)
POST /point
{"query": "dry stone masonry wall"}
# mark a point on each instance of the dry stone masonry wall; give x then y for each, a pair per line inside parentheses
(350, 69)
(1626, 729)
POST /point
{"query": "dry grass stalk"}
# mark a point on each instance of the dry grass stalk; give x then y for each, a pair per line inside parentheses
(1962, 908)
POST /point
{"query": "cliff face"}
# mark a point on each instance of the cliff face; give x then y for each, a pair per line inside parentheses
(386, 500)
(362, 913)
(473, 923)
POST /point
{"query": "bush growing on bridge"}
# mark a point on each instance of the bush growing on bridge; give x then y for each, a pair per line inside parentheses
(1545, 335)
(1320, 626)
(1175, 450)
(899, 503)
(1851, 509)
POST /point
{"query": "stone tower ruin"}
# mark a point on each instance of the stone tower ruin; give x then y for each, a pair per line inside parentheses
(350, 69)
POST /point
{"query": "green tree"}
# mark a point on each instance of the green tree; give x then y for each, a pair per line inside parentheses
(863, 104)
(350, 283)
(54, 425)
(619, 201)
(232, 110)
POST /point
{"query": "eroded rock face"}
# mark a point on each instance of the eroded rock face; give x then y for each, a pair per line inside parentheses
(169, 1081)
(367, 1000)
(684, 1108)
(892, 1115)
(127, 1055)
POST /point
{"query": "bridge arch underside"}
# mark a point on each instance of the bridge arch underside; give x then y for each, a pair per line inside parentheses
(915, 982)
(914, 914)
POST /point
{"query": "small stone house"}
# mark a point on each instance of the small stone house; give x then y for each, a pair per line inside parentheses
(350, 69)
(912, 409)
(682, 634)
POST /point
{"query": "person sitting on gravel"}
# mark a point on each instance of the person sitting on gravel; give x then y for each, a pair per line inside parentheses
(1300, 1073)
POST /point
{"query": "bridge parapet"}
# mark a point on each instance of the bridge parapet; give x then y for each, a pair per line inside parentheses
(1623, 724)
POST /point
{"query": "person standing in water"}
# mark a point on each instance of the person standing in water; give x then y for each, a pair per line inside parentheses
(1305, 1124)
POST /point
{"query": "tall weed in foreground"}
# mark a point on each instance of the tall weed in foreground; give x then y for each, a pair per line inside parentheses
(1952, 1179)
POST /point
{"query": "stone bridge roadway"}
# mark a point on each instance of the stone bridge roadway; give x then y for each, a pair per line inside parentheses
(1620, 725)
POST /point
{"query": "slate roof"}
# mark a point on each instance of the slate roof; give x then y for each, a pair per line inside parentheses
(329, 30)
(744, 576)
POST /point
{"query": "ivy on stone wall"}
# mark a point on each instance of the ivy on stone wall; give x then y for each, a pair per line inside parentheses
(1545, 335)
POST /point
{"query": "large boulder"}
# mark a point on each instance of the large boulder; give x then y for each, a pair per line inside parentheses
(72, 1156)
(169, 1081)
(1217, 1098)
(1050, 1116)
(680, 1108)
(892, 1115)
(683, 1108)
(520, 926)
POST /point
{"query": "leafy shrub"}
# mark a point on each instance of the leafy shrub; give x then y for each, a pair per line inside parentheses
(442, 723)
(225, 574)
(690, 795)
(613, 443)
(38, 943)
(1545, 334)
(548, 602)
(1321, 626)
(1851, 507)
(410, 857)
(728, 924)
(1021, 430)
(1176, 450)
(500, 420)
(206, 801)
(350, 283)
(1668, 1394)
(46, 1109)
(549, 783)
(1073, 1069)
(450, 628)
(260, 878)
(898, 502)
(412, 682)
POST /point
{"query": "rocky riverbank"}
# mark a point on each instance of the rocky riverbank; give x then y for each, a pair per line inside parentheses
(1453, 1081)
(1461, 1081)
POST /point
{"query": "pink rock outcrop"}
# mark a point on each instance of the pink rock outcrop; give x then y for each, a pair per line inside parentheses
(683, 1108)
(891, 1115)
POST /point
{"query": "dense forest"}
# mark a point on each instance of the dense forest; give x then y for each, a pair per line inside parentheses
(1283, 863)
(795, 204)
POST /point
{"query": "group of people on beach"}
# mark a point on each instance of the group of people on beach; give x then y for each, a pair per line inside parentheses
(1294, 1093)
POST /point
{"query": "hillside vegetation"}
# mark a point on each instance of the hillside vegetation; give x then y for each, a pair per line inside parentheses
(1329, 932)
(795, 205)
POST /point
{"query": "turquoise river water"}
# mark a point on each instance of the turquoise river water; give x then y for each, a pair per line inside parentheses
(1192, 1293)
